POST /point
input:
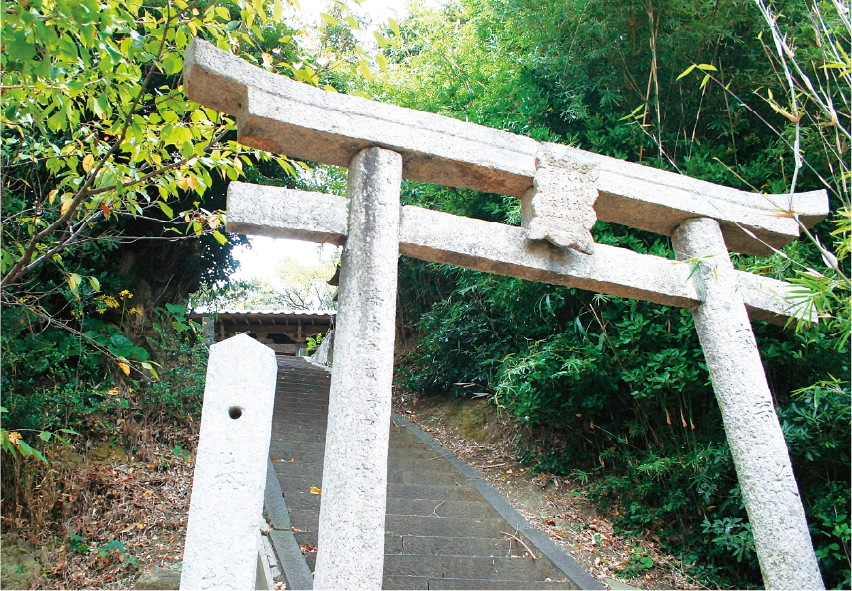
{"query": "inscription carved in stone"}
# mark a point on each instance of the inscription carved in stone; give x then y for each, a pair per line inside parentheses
(560, 206)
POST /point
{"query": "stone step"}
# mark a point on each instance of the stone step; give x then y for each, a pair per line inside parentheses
(437, 492)
(296, 432)
(401, 471)
(423, 508)
(317, 451)
(443, 545)
(403, 583)
(302, 405)
(289, 391)
(318, 448)
(303, 420)
(450, 527)
(285, 437)
(292, 391)
(459, 567)
(395, 462)
(418, 526)
(298, 483)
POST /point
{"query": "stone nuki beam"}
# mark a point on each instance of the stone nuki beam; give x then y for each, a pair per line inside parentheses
(495, 248)
(277, 114)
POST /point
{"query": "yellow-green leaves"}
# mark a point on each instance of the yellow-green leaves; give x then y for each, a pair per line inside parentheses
(702, 67)
(394, 26)
(74, 281)
(329, 19)
(383, 62)
(88, 163)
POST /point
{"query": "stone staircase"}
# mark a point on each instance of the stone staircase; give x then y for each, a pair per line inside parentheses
(446, 528)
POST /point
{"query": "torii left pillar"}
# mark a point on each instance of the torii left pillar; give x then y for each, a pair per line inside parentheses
(350, 547)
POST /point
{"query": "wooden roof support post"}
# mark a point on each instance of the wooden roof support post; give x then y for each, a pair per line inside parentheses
(764, 471)
(351, 541)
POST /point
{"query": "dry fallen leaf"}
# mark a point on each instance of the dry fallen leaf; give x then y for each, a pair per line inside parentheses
(125, 368)
(315, 491)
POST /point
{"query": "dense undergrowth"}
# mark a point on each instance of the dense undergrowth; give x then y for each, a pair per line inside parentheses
(67, 398)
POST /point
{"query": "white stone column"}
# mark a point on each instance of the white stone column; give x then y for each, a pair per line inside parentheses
(225, 510)
(762, 462)
(350, 550)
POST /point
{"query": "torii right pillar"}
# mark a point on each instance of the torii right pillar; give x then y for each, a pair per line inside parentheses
(757, 444)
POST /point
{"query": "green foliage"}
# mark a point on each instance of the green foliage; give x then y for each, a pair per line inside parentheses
(312, 343)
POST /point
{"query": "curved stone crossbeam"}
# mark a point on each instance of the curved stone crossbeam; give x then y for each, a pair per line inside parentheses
(277, 114)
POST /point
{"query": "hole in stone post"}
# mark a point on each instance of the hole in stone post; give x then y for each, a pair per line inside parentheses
(235, 412)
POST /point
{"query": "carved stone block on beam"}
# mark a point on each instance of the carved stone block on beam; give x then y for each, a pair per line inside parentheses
(560, 206)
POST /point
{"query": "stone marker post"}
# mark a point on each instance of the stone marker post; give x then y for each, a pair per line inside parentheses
(757, 443)
(350, 548)
(221, 550)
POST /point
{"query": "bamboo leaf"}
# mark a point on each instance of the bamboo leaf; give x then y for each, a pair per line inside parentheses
(686, 71)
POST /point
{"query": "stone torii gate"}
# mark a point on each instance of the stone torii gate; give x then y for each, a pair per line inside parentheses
(563, 191)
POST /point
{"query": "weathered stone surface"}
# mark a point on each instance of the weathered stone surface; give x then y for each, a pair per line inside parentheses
(354, 486)
(775, 511)
(324, 354)
(165, 579)
(277, 114)
(208, 330)
(317, 217)
(20, 564)
(560, 206)
(230, 470)
(504, 250)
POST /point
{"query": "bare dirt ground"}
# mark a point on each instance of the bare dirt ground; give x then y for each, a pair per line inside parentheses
(125, 516)
(555, 505)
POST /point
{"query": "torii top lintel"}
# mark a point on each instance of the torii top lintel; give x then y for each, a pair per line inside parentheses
(277, 114)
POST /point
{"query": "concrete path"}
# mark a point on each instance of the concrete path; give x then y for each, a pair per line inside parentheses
(445, 526)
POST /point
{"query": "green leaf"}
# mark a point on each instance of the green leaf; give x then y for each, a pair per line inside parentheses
(220, 238)
(147, 365)
(278, 10)
(380, 39)
(140, 354)
(44, 435)
(172, 64)
(69, 431)
(686, 71)
(25, 448)
(394, 26)
(704, 80)
(364, 70)
(707, 68)
(383, 62)
(329, 19)
(96, 285)
(166, 209)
